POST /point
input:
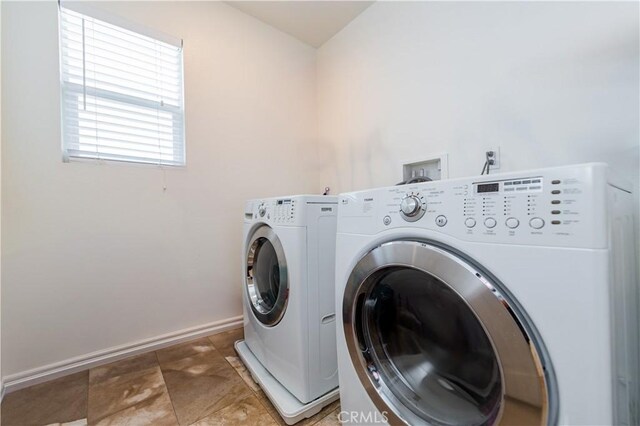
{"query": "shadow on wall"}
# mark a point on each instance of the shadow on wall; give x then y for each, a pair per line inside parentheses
(370, 159)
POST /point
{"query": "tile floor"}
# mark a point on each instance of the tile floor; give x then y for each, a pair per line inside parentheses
(201, 383)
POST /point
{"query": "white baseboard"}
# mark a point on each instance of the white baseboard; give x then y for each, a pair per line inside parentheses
(32, 377)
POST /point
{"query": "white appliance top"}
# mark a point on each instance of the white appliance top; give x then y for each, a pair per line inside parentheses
(562, 207)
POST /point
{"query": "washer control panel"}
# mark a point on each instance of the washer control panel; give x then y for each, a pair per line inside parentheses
(506, 202)
(564, 206)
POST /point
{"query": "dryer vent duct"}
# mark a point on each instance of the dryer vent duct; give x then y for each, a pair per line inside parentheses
(431, 168)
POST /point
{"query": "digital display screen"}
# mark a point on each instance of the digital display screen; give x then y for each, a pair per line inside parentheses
(488, 187)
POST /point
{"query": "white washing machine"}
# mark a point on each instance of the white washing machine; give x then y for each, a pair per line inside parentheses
(501, 299)
(288, 267)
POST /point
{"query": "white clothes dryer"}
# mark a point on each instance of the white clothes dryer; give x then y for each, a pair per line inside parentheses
(288, 269)
(502, 299)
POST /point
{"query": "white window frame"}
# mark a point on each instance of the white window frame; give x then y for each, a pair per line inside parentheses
(71, 115)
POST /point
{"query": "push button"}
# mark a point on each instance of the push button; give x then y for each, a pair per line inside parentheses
(470, 222)
(512, 222)
(555, 191)
(387, 220)
(555, 212)
(490, 222)
(441, 220)
(555, 202)
(555, 222)
(555, 182)
(536, 222)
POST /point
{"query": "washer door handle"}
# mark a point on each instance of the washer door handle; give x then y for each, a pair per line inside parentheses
(328, 318)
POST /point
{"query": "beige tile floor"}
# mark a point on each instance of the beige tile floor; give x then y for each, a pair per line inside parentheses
(195, 383)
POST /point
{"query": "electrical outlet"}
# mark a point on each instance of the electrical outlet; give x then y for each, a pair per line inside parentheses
(495, 157)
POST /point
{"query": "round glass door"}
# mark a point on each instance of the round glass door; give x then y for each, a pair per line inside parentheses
(435, 342)
(266, 276)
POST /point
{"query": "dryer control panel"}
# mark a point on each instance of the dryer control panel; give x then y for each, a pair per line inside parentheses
(290, 210)
(284, 210)
(277, 211)
(564, 206)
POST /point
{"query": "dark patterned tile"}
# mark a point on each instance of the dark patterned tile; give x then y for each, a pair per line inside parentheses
(134, 398)
(237, 365)
(331, 420)
(202, 384)
(81, 422)
(224, 341)
(58, 401)
(247, 412)
(185, 350)
(152, 411)
(127, 365)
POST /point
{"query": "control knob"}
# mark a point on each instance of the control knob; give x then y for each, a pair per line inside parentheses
(490, 222)
(512, 223)
(411, 208)
(536, 222)
(262, 210)
(410, 205)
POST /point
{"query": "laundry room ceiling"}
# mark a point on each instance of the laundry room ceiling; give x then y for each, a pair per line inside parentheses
(313, 22)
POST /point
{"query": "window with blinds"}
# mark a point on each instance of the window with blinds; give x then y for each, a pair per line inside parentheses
(122, 93)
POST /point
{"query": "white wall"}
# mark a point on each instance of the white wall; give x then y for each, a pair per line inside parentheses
(550, 83)
(96, 256)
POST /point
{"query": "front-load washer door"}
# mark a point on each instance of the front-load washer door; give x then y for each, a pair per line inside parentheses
(435, 341)
(266, 276)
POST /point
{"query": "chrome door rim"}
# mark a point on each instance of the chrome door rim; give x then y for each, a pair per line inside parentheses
(495, 312)
(268, 317)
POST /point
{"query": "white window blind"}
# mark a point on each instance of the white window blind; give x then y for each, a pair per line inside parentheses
(122, 93)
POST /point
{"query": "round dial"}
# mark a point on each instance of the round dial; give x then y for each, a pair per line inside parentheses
(536, 222)
(262, 210)
(490, 222)
(412, 207)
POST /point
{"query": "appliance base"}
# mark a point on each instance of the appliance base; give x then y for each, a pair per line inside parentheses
(290, 409)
